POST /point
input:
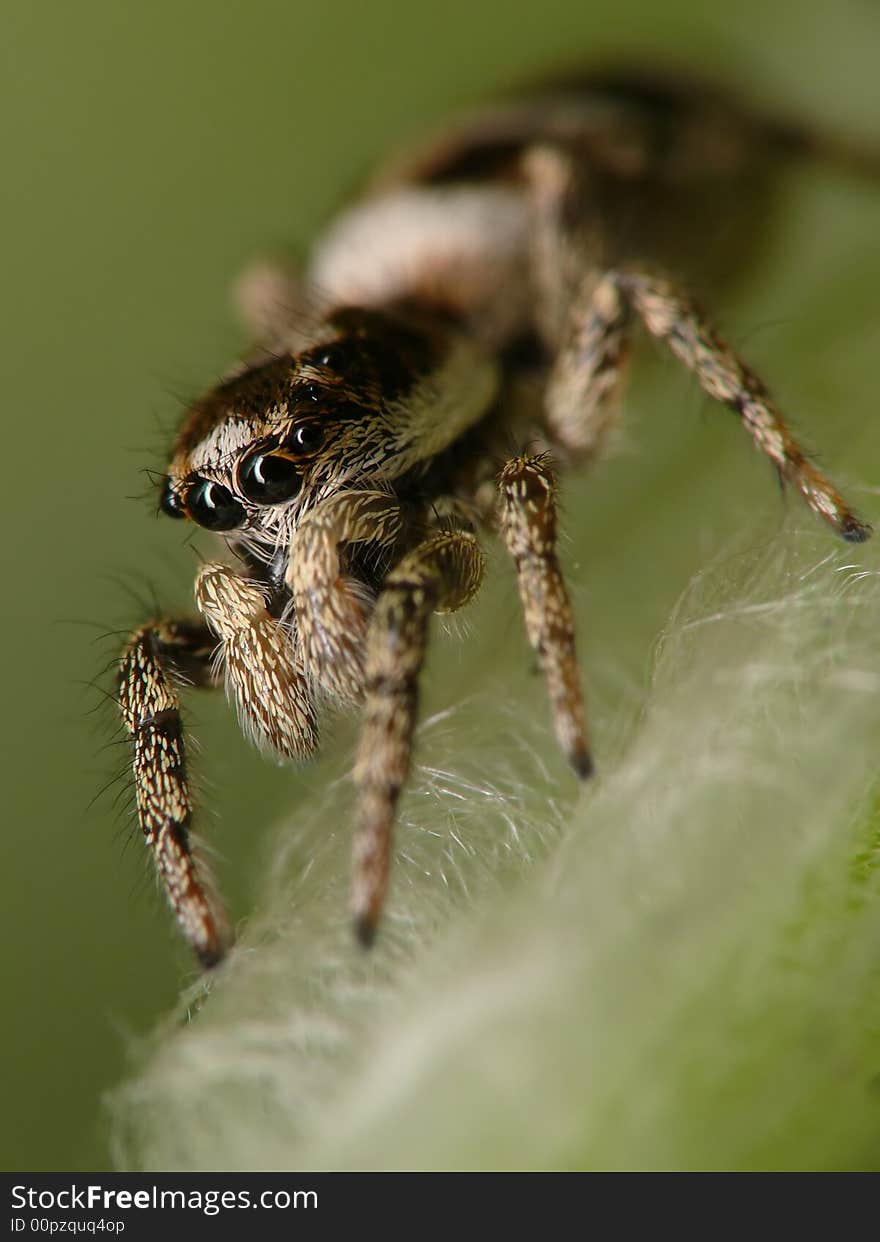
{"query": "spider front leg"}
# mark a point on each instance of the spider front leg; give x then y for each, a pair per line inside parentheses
(527, 520)
(264, 674)
(331, 608)
(155, 656)
(588, 370)
(439, 575)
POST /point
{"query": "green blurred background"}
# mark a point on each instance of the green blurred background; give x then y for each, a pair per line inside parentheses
(149, 152)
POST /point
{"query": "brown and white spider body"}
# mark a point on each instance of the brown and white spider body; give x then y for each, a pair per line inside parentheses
(479, 294)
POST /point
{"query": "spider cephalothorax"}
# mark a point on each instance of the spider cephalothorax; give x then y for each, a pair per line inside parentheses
(481, 293)
(287, 432)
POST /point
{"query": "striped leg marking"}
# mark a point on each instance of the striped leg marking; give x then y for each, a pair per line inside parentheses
(330, 609)
(155, 655)
(440, 575)
(527, 519)
(588, 371)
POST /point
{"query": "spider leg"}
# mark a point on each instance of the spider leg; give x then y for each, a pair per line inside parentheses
(565, 236)
(273, 305)
(331, 608)
(156, 656)
(439, 575)
(527, 520)
(264, 673)
(586, 374)
(583, 392)
(587, 328)
(585, 308)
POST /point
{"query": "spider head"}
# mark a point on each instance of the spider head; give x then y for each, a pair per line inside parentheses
(376, 393)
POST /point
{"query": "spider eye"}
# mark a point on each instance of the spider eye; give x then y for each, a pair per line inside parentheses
(213, 506)
(169, 501)
(268, 479)
(306, 437)
(332, 357)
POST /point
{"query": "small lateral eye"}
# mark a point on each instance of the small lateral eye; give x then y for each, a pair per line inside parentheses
(169, 501)
(212, 505)
(331, 356)
(306, 437)
(269, 478)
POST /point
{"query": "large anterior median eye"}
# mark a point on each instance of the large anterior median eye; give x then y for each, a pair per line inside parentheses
(212, 505)
(269, 478)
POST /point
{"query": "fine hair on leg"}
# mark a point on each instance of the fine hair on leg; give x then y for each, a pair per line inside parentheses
(439, 575)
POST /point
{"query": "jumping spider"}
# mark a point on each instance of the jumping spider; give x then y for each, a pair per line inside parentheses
(482, 292)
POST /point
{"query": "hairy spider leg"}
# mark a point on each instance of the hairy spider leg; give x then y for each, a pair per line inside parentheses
(585, 379)
(585, 374)
(158, 654)
(527, 521)
(331, 609)
(440, 575)
(264, 673)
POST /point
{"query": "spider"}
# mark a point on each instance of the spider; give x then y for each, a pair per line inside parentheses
(480, 293)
